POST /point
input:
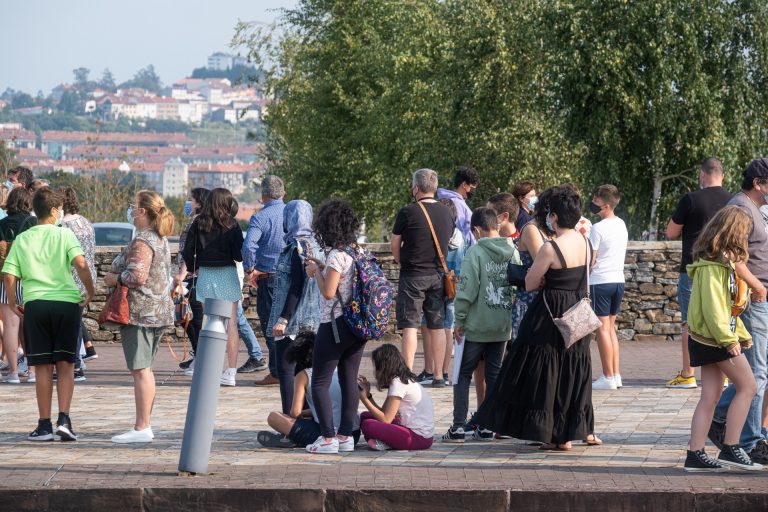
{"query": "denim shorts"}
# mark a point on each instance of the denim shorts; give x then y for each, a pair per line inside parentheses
(606, 298)
(684, 287)
(448, 309)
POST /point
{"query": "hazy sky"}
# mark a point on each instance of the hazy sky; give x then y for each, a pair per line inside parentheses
(44, 40)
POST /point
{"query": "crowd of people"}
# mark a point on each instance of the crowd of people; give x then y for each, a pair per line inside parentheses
(487, 288)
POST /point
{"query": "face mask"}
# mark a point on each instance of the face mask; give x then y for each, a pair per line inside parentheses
(58, 219)
(595, 208)
(9, 185)
(129, 215)
(549, 224)
(470, 194)
(532, 202)
(188, 208)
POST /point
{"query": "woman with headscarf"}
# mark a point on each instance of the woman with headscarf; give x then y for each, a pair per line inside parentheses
(296, 303)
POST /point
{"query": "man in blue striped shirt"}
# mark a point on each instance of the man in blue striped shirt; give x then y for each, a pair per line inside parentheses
(263, 244)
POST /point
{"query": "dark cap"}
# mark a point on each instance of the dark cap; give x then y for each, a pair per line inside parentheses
(757, 168)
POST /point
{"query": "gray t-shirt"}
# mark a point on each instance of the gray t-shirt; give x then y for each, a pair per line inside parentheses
(758, 238)
(335, 391)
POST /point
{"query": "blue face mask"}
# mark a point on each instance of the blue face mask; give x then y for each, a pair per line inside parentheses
(188, 208)
(129, 215)
(549, 224)
(532, 202)
(9, 185)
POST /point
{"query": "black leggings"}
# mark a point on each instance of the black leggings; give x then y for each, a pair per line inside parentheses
(196, 324)
(329, 355)
(285, 372)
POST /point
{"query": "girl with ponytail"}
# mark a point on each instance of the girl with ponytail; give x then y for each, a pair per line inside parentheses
(144, 267)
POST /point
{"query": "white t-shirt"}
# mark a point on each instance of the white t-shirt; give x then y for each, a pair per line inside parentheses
(609, 239)
(416, 410)
(342, 263)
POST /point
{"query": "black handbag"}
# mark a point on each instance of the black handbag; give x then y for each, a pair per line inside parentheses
(516, 274)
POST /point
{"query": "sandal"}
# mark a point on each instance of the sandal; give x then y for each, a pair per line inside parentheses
(556, 447)
(593, 440)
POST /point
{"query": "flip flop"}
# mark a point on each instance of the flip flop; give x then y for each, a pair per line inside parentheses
(269, 439)
(594, 441)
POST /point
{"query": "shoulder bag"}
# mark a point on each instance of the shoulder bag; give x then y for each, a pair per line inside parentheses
(580, 320)
(449, 278)
(115, 310)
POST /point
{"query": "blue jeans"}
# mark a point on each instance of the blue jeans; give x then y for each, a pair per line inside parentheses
(756, 321)
(247, 334)
(264, 294)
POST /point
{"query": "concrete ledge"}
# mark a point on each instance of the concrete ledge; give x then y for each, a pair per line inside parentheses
(339, 500)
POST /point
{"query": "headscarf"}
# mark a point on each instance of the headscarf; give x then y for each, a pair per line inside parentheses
(297, 220)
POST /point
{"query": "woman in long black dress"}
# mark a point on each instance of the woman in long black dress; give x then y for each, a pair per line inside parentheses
(544, 392)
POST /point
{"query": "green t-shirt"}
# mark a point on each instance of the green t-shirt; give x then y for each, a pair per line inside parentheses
(42, 257)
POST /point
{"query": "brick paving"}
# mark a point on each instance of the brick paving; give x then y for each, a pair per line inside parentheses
(644, 425)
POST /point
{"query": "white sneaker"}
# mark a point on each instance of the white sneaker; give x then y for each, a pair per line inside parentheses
(32, 379)
(347, 445)
(228, 377)
(135, 436)
(617, 380)
(378, 445)
(190, 371)
(604, 383)
(11, 378)
(322, 446)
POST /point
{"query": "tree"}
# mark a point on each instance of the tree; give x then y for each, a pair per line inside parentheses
(107, 81)
(652, 88)
(145, 78)
(81, 78)
(7, 158)
(22, 100)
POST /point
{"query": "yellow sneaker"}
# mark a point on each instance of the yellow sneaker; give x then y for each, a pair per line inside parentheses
(725, 382)
(681, 382)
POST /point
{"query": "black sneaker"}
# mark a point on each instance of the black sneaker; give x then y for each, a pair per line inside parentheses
(425, 378)
(445, 378)
(79, 375)
(732, 455)
(759, 453)
(90, 353)
(455, 434)
(699, 462)
(482, 434)
(64, 428)
(438, 383)
(43, 432)
(716, 433)
(186, 364)
(253, 365)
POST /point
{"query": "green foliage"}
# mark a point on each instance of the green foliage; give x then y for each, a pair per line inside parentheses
(145, 78)
(634, 93)
(235, 74)
(7, 159)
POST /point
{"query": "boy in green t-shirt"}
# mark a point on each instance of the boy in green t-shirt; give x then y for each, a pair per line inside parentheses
(41, 257)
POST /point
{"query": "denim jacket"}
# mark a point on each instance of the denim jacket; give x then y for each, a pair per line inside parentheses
(307, 314)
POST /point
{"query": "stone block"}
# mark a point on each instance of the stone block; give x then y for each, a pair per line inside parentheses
(643, 305)
(102, 335)
(670, 290)
(667, 328)
(630, 258)
(642, 325)
(651, 288)
(650, 337)
(656, 316)
(663, 280)
(652, 256)
(626, 334)
(343, 500)
(626, 317)
(645, 265)
(644, 277)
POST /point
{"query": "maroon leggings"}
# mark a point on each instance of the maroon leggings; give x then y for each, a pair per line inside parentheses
(392, 434)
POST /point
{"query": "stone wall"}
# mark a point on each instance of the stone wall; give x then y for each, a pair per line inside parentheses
(649, 312)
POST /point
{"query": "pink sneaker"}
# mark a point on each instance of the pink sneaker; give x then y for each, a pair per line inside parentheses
(322, 446)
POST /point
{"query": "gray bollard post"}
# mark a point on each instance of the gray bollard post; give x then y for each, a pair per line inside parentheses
(204, 395)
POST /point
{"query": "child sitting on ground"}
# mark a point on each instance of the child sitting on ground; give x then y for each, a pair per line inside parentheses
(406, 420)
(716, 338)
(301, 427)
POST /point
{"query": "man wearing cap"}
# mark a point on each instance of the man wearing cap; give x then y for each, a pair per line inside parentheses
(753, 196)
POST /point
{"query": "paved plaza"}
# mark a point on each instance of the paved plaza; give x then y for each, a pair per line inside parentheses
(645, 428)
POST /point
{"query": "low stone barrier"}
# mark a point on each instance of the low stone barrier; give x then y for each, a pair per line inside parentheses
(649, 312)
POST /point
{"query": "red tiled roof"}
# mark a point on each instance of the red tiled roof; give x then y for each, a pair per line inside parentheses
(91, 137)
(222, 168)
(31, 154)
(11, 134)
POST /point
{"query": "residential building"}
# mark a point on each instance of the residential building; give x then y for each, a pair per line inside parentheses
(175, 178)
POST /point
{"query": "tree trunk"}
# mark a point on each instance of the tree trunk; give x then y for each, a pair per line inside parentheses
(653, 225)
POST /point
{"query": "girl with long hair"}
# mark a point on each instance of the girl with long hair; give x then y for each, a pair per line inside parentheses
(406, 419)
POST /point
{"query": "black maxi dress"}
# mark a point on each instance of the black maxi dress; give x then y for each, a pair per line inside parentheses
(544, 392)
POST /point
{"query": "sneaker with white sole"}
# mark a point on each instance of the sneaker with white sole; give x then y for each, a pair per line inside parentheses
(190, 370)
(378, 445)
(64, 428)
(11, 378)
(482, 434)
(697, 461)
(135, 436)
(734, 456)
(43, 432)
(455, 434)
(23, 367)
(322, 446)
(617, 380)
(228, 377)
(604, 382)
(346, 445)
(32, 379)
(681, 382)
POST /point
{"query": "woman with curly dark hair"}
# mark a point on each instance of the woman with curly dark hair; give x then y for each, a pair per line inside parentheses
(406, 419)
(335, 228)
(212, 249)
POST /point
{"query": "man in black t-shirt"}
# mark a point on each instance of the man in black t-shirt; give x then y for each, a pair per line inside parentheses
(691, 215)
(421, 271)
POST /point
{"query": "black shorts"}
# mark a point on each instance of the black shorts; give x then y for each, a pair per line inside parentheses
(51, 331)
(417, 294)
(704, 354)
